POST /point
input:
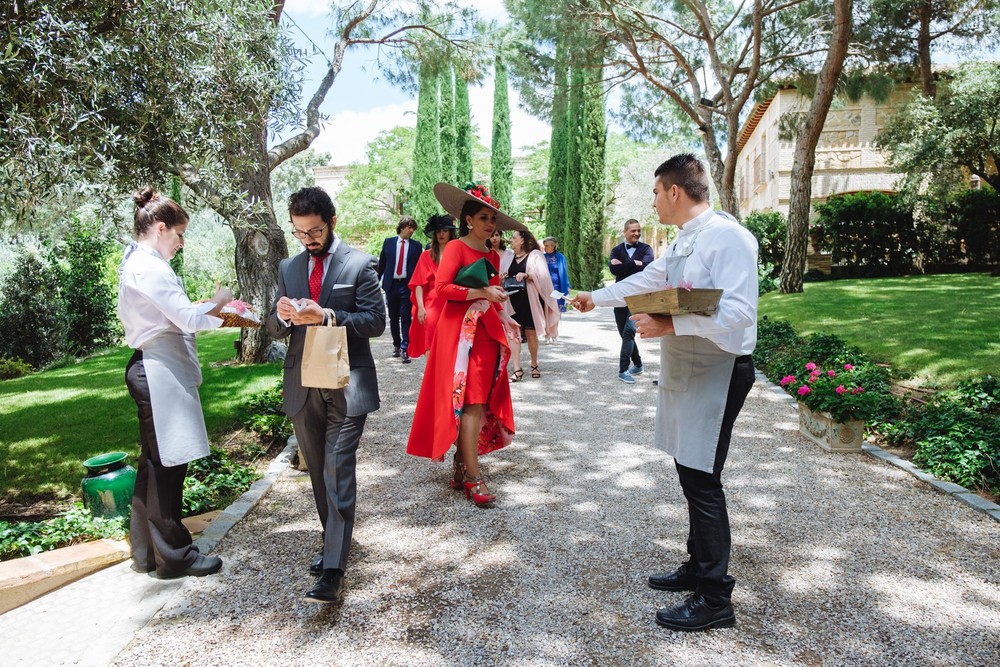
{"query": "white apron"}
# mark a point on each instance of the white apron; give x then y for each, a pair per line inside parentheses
(171, 362)
(693, 386)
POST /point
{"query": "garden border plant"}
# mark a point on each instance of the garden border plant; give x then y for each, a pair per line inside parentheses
(955, 435)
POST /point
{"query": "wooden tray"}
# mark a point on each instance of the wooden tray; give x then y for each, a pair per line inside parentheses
(676, 302)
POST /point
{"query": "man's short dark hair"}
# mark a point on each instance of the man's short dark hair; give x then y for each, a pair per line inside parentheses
(630, 221)
(686, 172)
(312, 201)
(404, 222)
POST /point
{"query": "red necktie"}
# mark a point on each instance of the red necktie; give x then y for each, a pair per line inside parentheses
(399, 259)
(316, 277)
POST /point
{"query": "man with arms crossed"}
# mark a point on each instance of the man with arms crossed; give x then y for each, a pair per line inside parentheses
(328, 283)
(627, 259)
(706, 374)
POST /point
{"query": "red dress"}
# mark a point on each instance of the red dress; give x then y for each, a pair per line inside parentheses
(466, 364)
(421, 335)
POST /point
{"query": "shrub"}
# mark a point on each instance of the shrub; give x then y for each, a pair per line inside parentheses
(90, 300)
(872, 231)
(770, 229)
(214, 481)
(265, 416)
(13, 368)
(32, 313)
(975, 217)
(27, 538)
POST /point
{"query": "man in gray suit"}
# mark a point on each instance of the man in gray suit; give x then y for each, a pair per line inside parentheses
(328, 283)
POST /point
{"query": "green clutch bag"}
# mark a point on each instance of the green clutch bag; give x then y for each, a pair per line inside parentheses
(475, 275)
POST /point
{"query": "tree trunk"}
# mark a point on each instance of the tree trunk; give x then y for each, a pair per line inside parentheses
(804, 161)
(722, 174)
(924, 49)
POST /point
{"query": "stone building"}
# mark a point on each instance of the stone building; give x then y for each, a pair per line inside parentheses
(846, 158)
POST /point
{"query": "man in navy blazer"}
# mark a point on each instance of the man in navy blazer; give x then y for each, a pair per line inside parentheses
(626, 259)
(396, 264)
(328, 283)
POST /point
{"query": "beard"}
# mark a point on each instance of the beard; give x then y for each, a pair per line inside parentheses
(325, 248)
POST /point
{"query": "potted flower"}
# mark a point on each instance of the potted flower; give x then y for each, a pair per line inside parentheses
(832, 406)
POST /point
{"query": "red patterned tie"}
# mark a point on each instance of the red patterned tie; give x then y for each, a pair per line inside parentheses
(399, 259)
(316, 277)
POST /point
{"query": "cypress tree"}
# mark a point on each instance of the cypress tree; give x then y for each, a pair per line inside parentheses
(463, 132)
(449, 148)
(571, 219)
(501, 164)
(426, 152)
(593, 139)
(555, 194)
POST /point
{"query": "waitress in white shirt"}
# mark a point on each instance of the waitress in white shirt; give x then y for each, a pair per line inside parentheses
(163, 377)
(705, 375)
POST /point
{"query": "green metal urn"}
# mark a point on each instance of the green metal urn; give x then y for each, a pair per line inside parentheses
(108, 486)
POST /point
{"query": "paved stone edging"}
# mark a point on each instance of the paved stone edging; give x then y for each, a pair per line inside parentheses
(956, 491)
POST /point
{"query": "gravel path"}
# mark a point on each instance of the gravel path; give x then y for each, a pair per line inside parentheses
(839, 559)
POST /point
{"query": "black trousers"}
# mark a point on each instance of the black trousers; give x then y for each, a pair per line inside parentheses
(159, 539)
(626, 329)
(329, 441)
(397, 300)
(709, 539)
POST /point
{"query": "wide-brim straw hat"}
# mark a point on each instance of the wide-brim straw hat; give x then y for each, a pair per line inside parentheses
(452, 199)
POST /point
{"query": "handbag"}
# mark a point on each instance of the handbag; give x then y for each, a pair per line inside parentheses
(476, 275)
(325, 362)
(512, 285)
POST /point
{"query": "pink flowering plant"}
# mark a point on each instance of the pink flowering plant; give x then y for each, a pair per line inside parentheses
(836, 390)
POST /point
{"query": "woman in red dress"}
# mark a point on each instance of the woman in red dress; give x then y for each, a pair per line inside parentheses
(465, 394)
(426, 308)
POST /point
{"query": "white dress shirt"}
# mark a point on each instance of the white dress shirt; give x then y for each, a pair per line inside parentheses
(151, 299)
(723, 255)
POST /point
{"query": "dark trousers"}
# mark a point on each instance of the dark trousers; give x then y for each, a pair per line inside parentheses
(397, 299)
(626, 329)
(709, 540)
(330, 448)
(159, 539)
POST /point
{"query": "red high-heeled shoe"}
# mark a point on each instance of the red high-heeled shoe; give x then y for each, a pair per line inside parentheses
(476, 491)
(458, 475)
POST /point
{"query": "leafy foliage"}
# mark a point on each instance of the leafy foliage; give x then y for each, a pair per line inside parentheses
(427, 149)
(593, 187)
(770, 229)
(213, 482)
(13, 368)
(27, 538)
(265, 416)
(870, 230)
(463, 131)
(502, 163)
(32, 313)
(89, 297)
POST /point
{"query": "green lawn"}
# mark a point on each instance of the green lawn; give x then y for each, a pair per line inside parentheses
(941, 328)
(52, 421)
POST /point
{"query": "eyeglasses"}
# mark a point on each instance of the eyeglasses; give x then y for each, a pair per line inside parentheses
(313, 233)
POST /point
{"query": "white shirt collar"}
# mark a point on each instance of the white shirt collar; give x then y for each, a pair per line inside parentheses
(692, 225)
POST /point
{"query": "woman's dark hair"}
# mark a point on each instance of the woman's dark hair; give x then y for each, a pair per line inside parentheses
(529, 240)
(151, 208)
(404, 222)
(440, 223)
(312, 201)
(501, 246)
(470, 208)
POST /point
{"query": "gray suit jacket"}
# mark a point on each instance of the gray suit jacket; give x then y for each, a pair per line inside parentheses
(351, 288)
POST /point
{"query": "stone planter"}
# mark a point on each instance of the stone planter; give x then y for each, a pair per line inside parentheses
(831, 435)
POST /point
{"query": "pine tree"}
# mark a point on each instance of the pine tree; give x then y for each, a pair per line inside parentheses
(593, 138)
(449, 147)
(571, 219)
(555, 196)
(463, 132)
(426, 153)
(502, 164)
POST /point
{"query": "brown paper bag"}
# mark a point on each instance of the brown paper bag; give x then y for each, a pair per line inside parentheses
(325, 364)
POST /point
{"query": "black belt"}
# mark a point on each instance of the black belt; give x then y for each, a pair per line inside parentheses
(400, 280)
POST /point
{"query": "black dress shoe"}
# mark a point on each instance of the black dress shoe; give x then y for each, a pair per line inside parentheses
(396, 352)
(406, 358)
(680, 579)
(316, 566)
(696, 614)
(327, 587)
(202, 566)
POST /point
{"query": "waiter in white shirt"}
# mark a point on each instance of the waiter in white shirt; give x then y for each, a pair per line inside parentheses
(163, 377)
(706, 374)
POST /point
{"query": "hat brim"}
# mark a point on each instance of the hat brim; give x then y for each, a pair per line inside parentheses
(452, 199)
